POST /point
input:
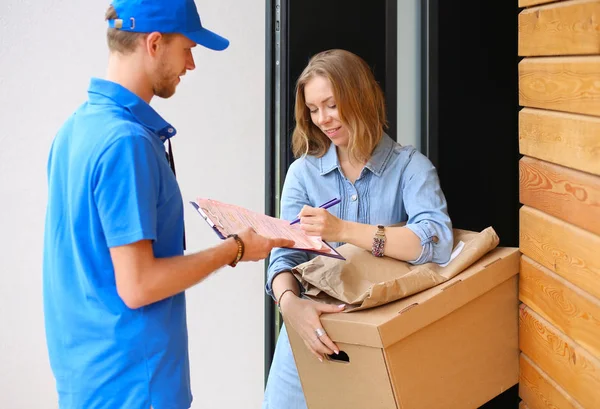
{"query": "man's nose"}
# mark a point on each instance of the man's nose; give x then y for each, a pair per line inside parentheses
(189, 64)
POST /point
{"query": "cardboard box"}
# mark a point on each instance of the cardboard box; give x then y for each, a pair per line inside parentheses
(453, 346)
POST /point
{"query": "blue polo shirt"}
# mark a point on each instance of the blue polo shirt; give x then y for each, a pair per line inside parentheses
(110, 184)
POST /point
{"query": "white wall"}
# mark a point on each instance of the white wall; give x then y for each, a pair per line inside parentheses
(409, 73)
(48, 51)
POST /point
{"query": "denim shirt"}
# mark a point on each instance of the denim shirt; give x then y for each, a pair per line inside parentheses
(398, 184)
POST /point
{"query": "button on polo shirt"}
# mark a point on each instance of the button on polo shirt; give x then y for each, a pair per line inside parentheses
(110, 184)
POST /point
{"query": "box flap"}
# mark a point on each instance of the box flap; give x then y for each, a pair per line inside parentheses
(386, 325)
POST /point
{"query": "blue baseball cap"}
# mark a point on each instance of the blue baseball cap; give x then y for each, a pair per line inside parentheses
(167, 17)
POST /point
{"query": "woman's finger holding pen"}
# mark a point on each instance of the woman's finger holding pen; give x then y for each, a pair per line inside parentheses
(306, 211)
(319, 222)
(325, 205)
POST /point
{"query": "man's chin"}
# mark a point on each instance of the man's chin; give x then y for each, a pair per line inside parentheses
(165, 93)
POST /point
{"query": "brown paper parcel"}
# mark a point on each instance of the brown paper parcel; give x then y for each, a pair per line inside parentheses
(365, 281)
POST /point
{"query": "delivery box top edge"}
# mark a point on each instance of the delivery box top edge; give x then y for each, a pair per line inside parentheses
(384, 325)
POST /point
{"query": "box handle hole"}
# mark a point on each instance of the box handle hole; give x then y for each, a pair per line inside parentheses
(342, 357)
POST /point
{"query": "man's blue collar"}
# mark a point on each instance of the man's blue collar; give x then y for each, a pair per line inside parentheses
(100, 89)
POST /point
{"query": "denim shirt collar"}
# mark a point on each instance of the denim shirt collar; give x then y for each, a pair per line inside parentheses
(100, 90)
(376, 163)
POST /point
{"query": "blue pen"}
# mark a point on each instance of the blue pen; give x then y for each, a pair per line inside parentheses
(325, 205)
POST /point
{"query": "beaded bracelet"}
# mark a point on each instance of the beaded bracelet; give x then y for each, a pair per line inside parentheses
(241, 248)
(378, 242)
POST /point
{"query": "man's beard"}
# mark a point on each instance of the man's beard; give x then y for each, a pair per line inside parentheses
(165, 85)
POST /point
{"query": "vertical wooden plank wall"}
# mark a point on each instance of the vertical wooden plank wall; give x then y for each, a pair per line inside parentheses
(559, 136)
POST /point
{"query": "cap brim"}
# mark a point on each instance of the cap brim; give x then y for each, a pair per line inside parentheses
(208, 39)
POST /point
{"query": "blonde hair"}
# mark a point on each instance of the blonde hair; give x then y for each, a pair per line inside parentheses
(120, 41)
(124, 42)
(359, 100)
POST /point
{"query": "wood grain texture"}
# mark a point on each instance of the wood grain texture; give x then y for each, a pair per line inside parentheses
(529, 3)
(569, 251)
(566, 139)
(570, 195)
(565, 28)
(540, 391)
(568, 308)
(573, 368)
(568, 84)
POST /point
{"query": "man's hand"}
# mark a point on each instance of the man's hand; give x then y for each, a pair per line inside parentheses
(257, 247)
(143, 279)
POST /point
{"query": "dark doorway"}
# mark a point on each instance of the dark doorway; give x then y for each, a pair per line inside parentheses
(470, 111)
(469, 102)
(470, 117)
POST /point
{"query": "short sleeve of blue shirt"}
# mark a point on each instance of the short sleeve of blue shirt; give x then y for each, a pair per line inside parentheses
(126, 184)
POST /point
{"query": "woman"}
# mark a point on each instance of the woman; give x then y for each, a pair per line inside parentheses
(343, 152)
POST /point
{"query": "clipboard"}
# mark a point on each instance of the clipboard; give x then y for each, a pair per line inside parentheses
(227, 219)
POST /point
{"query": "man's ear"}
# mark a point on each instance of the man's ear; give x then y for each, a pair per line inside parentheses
(152, 42)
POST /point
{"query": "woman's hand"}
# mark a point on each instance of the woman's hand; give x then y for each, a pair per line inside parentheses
(303, 315)
(319, 222)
